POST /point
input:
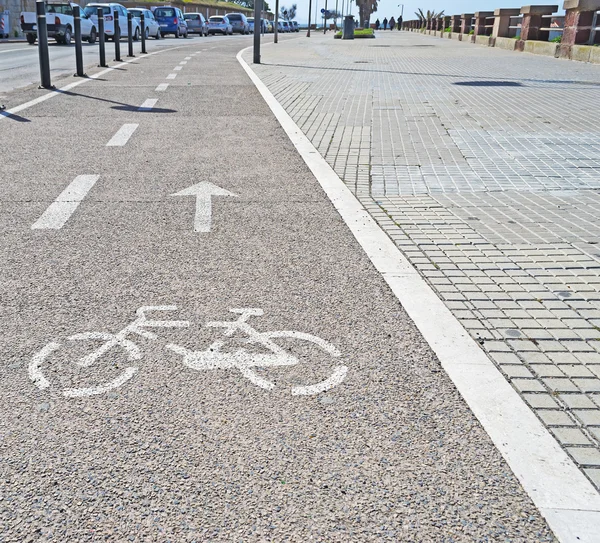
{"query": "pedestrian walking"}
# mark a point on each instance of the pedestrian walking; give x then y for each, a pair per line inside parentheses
(377, 24)
(385, 21)
(392, 23)
(400, 22)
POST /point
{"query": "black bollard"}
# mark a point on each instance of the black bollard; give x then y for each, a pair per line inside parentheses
(117, 36)
(143, 23)
(42, 26)
(78, 47)
(130, 35)
(101, 37)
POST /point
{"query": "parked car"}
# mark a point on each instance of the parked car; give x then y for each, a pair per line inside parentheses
(294, 26)
(268, 26)
(250, 24)
(280, 27)
(171, 21)
(196, 23)
(151, 24)
(91, 11)
(219, 24)
(286, 26)
(239, 23)
(59, 20)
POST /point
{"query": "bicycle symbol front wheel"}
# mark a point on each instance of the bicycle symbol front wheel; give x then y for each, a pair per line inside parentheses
(336, 377)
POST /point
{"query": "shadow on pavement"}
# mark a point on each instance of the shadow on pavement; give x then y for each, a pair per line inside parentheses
(119, 105)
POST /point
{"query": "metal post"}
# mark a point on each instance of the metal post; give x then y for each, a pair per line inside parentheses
(143, 23)
(102, 45)
(130, 34)
(117, 36)
(78, 49)
(257, 13)
(336, 14)
(325, 19)
(309, 12)
(276, 21)
(42, 26)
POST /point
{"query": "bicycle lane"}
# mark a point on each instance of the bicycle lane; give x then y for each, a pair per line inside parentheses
(201, 451)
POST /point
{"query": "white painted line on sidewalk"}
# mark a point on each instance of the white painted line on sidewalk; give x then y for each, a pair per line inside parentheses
(20, 49)
(567, 500)
(171, 76)
(123, 135)
(148, 104)
(177, 68)
(187, 58)
(183, 62)
(162, 87)
(58, 92)
(64, 206)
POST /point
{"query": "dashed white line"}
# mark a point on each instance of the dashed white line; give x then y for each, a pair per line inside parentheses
(171, 76)
(183, 62)
(177, 68)
(122, 136)
(187, 58)
(148, 104)
(63, 207)
(162, 87)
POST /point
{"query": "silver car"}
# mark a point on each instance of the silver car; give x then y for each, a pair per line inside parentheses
(196, 23)
(219, 24)
(239, 23)
(151, 24)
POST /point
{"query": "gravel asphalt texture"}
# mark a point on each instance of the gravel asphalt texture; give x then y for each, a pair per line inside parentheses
(391, 454)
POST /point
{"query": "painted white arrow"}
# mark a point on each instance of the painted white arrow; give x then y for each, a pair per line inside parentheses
(203, 192)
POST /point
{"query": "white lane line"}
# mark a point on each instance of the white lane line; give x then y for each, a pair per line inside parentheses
(32, 49)
(148, 104)
(16, 109)
(187, 58)
(564, 496)
(63, 207)
(183, 62)
(177, 68)
(162, 87)
(171, 76)
(123, 135)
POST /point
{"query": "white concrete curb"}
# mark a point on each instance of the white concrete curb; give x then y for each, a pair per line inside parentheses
(567, 500)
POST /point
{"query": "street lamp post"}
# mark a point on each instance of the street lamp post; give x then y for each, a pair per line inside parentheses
(309, 13)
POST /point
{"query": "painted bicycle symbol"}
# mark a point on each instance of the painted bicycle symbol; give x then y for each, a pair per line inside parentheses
(211, 358)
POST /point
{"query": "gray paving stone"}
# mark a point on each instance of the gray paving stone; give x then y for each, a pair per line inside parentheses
(558, 384)
(570, 436)
(589, 417)
(575, 401)
(585, 456)
(513, 370)
(541, 401)
(555, 417)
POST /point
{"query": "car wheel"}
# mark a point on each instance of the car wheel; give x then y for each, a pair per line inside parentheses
(31, 39)
(136, 34)
(92, 38)
(67, 37)
(157, 37)
(177, 33)
(147, 34)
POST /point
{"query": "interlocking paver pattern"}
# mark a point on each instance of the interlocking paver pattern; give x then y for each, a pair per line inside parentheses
(483, 166)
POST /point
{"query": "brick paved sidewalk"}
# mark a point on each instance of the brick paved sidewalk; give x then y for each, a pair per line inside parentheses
(483, 166)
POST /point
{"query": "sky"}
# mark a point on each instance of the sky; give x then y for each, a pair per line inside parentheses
(389, 8)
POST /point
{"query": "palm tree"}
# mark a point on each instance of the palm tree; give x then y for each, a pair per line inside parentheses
(424, 17)
(365, 9)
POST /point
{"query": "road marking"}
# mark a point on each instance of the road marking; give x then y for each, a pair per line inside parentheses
(183, 62)
(162, 87)
(203, 192)
(63, 207)
(187, 58)
(148, 104)
(171, 76)
(59, 92)
(177, 68)
(122, 136)
(566, 499)
(32, 49)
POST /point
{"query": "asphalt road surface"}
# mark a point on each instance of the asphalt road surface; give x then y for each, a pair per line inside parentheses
(132, 410)
(19, 62)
